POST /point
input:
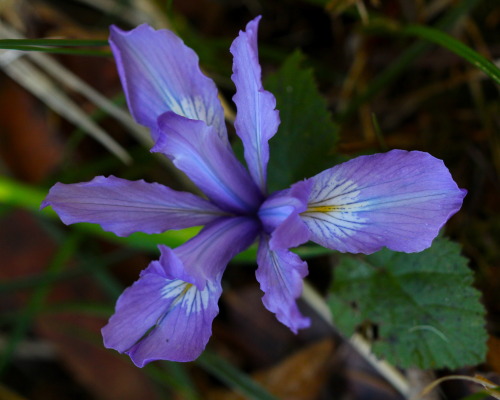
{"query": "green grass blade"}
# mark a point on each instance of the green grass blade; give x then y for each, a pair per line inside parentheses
(56, 46)
(233, 377)
(452, 44)
(57, 50)
(396, 68)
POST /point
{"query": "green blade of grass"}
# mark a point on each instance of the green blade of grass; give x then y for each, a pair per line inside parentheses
(57, 50)
(396, 68)
(233, 377)
(457, 47)
(174, 376)
(56, 46)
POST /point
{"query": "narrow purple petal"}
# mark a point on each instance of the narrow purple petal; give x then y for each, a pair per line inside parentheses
(398, 199)
(257, 120)
(212, 166)
(280, 275)
(162, 318)
(205, 256)
(159, 74)
(280, 216)
(124, 207)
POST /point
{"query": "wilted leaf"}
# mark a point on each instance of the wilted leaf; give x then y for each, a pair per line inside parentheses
(421, 308)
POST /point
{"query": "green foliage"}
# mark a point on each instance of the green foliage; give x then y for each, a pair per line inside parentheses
(233, 377)
(423, 305)
(56, 46)
(401, 64)
(455, 46)
(306, 137)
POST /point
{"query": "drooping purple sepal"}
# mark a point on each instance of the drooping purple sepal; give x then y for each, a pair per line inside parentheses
(257, 120)
(162, 318)
(124, 207)
(200, 154)
(398, 199)
(280, 275)
(167, 314)
(159, 73)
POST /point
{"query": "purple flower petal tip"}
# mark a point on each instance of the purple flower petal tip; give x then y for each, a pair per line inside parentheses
(280, 275)
(159, 73)
(162, 318)
(257, 119)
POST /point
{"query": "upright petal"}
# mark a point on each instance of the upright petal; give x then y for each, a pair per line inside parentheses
(205, 256)
(159, 74)
(124, 207)
(210, 164)
(398, 199)
(162, 318)
(280, 276)
(257, 120)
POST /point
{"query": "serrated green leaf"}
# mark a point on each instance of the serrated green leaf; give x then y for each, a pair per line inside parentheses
(306, 137)
(423, 305)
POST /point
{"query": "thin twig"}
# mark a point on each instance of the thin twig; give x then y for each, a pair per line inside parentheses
(389, 372)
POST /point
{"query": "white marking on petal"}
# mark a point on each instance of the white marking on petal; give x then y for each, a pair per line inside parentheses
(330, 208)
(187, 296)
(333, 192)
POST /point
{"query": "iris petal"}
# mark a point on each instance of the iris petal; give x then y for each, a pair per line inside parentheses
(162, 318)
(167, 314)
(206, 255)
(280, 276)
(124, 207)
(280, 216)
(159, 73)
(399, 199)
(257, 120)
(200, 154)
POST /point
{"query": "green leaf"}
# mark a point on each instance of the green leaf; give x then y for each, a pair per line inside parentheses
(306, 137)
(421, 306)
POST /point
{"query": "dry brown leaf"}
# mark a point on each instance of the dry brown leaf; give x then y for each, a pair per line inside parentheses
(28, 145)
(493, 356)
(299, 377)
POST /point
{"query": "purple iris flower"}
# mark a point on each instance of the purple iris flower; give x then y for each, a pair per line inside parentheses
(399, 199)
